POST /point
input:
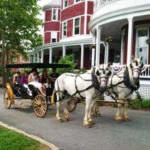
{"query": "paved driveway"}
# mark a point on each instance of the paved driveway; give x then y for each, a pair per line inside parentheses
(105, 135)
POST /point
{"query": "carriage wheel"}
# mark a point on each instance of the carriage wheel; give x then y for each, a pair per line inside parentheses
(7, 100)
(40, 106)
(72, 103)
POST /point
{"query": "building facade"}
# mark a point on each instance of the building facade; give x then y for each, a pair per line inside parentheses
(124, 26)
(97, 31)
(66, 31)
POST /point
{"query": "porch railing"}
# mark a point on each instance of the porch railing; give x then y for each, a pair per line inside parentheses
(146, 72)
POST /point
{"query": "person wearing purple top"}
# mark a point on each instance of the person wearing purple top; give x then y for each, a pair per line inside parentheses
(24, 78)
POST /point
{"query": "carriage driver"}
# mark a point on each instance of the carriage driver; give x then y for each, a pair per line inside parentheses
(33, 79)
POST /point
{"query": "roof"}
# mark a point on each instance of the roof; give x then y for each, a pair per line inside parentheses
(52, 3)
(37, 65)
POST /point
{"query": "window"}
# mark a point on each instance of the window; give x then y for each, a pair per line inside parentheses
(64, 29)
(142, 34)
(76, 1)
(65, 3)
(54, 14)
(76, 26)
(53, 37)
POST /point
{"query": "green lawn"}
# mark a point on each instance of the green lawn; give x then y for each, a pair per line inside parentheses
(10, 140)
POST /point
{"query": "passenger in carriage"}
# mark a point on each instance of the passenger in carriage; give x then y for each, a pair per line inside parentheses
(16, 77)
(16, 83)
(45, 80)
(33, 79)
(24, 78)
(44, 77)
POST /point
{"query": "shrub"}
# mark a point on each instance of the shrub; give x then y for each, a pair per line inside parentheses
(137, 104)
(68, 59)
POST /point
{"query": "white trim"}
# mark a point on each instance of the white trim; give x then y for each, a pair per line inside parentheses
(51, 31)
(86, 40)
(73, 33)
(119, 15)
(77, 16)
(52, 21)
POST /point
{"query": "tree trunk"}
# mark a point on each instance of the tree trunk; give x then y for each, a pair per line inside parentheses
(3, 60)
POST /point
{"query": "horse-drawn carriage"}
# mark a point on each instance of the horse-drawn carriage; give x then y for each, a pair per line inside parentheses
(40, 102)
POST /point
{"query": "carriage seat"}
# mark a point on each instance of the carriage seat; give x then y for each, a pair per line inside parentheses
(33, 90)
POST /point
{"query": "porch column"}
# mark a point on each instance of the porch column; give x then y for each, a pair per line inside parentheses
(31, 58)
(64, 51)
(82, 56)
(98, 39)
(37, 60)
(130, 34)
(93, 50)
(106, 53)
(50, 55)
(42, 56)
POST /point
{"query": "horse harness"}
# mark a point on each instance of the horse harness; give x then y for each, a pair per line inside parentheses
(95, 84)
(127, 82)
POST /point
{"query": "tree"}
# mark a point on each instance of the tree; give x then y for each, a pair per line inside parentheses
(18, 26)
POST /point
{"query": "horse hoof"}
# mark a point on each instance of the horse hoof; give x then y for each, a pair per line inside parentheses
(67, 119)
(87, 124)
(126, 118)
(60, 119)
(92, 122)
(118, 118)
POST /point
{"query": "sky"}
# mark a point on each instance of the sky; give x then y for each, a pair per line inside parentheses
(41, 16)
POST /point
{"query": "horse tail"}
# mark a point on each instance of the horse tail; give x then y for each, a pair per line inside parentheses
(53, 97)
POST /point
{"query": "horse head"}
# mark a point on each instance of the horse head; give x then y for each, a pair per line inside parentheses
(102, 73)
(136, 67)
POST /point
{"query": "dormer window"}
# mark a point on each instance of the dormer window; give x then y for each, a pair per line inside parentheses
(54, 14)
(76, 26)
(65, 4)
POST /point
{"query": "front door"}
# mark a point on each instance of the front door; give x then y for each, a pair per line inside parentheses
(142, 47)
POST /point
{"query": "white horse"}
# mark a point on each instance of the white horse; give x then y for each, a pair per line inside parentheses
(88, 85)
(121, 85)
